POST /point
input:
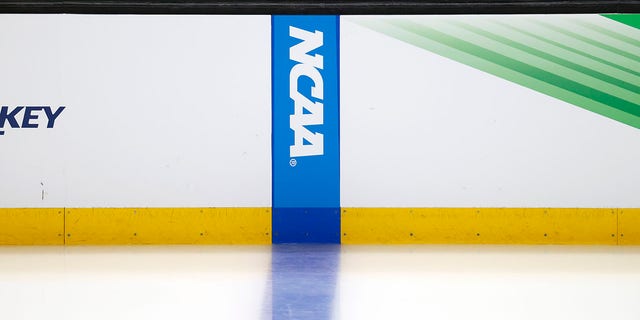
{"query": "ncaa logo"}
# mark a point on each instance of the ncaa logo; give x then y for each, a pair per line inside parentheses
(306, 112)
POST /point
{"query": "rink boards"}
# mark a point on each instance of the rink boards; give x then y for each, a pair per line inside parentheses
(520, 129)
(109, 226)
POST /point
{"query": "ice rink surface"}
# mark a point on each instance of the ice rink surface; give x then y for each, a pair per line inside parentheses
(320, 282)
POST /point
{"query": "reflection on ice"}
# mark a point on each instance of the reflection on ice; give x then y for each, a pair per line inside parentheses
(304, 280)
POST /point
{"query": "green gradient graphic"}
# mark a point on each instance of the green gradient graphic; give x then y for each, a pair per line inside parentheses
(628, 19)
(588, 61)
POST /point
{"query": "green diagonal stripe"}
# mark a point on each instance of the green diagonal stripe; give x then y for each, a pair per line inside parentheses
(610, 33)
(585, 82)
(519, 66)
(592, 42)
(573, 50)
(581, 74)
(628, 19)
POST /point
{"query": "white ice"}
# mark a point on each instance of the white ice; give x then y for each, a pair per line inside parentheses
(320, 282)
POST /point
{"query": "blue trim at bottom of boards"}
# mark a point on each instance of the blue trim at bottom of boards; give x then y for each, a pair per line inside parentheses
(306, 225)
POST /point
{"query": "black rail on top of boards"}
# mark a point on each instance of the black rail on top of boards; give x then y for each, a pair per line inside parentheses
(321, 7)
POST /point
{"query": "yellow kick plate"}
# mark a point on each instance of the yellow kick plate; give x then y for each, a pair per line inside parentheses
(31, 226)
(482, 225)
(168, 226)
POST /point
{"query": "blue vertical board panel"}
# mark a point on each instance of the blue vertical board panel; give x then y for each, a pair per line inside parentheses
(306, 124)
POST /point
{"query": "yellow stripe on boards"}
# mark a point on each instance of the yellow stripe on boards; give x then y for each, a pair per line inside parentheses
(485, 225)
(31, 226)
(106, 226)
(629, 226)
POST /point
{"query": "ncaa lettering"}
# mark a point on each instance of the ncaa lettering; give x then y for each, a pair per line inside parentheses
(306, 112)
(29, 116)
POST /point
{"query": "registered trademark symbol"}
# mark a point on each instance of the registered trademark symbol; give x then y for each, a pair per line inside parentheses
(293, 162)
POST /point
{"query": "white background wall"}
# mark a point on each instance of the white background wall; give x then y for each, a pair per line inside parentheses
(420, 130)
(161, 110)
(175, 111)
